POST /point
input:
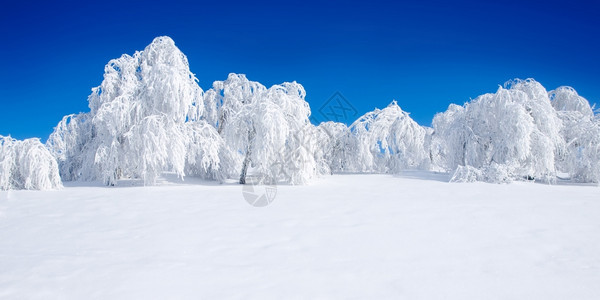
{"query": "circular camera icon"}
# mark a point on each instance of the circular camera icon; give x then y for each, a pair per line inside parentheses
(258, 194)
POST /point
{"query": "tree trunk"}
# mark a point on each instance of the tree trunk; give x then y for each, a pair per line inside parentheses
(251, 134)
(245, 168)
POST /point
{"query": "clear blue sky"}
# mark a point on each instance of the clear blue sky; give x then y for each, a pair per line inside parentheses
(424, 54)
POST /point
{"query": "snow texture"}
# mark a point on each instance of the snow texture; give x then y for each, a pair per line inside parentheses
(344, 236)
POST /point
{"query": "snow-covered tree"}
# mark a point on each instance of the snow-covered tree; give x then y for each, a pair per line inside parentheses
(224, 104)
(581, 133)
(274, 135)
(267, 129)
(27, 165)
(136, 124)
(515, 130)
(386, 140)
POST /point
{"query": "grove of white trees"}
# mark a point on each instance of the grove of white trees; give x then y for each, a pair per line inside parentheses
(149, 116)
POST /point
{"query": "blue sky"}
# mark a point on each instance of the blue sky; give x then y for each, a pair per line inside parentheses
(424, 54)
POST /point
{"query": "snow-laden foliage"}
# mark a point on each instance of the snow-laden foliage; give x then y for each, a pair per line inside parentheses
(267, 129)
(565, 98)
(386, 140)
(154, 81)
(227, 98)
(150, 116)
(27, 165)
(333, 152)
(137, 126)
(516, 129)
(581, 133)
(207, 155)
(69, 144)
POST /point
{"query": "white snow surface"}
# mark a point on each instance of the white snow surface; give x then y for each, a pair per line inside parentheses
(412, 236)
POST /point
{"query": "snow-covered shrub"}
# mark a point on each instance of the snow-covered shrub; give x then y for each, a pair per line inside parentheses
(466, 174)
(581, 133)
(515, 128)
(493, 173)
(27, 165)
(136, 127)
(386, 140)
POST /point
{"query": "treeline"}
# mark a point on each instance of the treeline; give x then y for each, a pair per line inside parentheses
(150, 116)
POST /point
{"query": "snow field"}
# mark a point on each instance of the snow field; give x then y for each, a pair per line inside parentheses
(344, 236)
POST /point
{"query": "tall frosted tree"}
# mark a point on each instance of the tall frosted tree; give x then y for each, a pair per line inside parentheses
(273, 134)
(136, 127)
